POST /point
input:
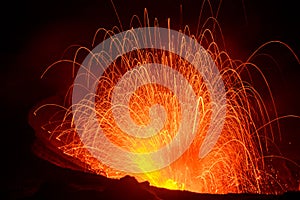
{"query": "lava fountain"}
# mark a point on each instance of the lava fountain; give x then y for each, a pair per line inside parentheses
(166, 107)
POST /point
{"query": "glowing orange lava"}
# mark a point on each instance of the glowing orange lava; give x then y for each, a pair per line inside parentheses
(236, 164)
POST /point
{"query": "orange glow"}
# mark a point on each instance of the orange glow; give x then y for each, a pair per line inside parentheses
(237, 163)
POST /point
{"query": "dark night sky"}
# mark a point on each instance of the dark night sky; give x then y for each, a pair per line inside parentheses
(34, 34)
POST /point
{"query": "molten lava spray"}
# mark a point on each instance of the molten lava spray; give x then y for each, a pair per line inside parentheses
(141, 108)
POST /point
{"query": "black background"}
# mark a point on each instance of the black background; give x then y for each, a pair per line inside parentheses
(34, 34)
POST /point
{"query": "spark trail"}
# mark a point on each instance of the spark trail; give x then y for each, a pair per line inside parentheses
(130, 101)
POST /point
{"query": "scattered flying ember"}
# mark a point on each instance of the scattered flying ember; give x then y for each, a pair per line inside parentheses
(128, 102)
